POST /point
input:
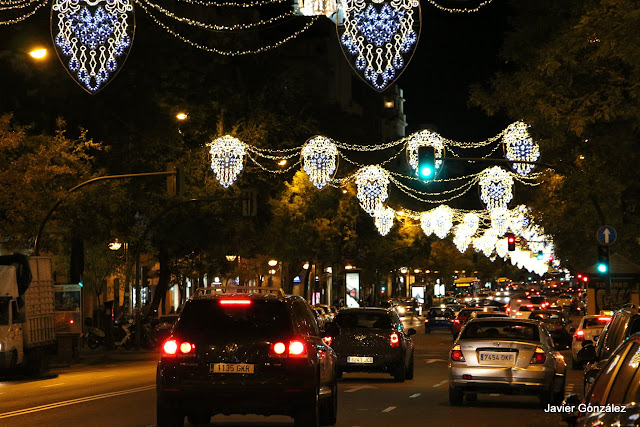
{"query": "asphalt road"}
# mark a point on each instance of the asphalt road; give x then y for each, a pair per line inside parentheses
(121, 393)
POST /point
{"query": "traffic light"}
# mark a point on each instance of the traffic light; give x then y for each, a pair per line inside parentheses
(426, 163)
(383, 289)
(540, 255)
(603, 259)
(511, 241)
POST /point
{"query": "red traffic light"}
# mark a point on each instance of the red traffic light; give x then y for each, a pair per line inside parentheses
(585, 279)
(511, 242)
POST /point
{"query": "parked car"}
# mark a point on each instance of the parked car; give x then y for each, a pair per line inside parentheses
(373, 340)
(250, 353)
(438, 318)
(624, 323)
(558, 324)
(505, 355)
(589, 329)
(612, 398)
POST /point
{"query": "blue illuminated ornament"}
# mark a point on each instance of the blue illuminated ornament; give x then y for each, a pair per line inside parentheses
(378, 38)
(91, 36)
(520, 146)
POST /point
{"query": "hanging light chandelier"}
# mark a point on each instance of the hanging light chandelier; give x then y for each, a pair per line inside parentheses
(372, 182)
(227, 159)
(520, 147)
(319, 160)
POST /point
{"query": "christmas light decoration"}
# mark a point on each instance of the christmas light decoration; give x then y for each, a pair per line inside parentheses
(317, 7)
(442, 220)
(383, 219)
(502, 248)
(500, 220)
(93, 35)
(425, 138)
(520, 146)
(379, 38)
(426, 223)
(227, 159)
(486, 243)
(372, 182)
(519, 219)
(19, 5)
(460, 10)
(495, 187)
(319, 160)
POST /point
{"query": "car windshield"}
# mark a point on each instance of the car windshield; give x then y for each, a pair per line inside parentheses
(466, 313)
(259, 318)
(360, 319)
(504, 330)
(439, 311)
(596, 322)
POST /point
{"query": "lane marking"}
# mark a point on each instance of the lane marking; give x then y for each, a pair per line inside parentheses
(358, 387)
(442, 383)
(434, 360)
(389, 409)
(74, 401)
(494, 394)
(413, 396)
(53, 385)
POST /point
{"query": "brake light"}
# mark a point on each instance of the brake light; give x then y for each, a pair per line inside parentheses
(579, 335)
(530, 305)
(456, 354)
(187, 347)
(394, 339)
(170, 347)
(518, 313)
(278, 348)
(456, 321)
(604, 319)
(295, 348)
(539, 356)
(235, 301)
(519, 300)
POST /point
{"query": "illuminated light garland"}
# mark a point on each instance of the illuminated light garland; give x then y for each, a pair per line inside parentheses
(425, 138)
(224, 52)
(500, 220)
(227, 159)
(378, 37)
(520, 146)
(502, 248)
(372, 182)
(15, 5)
(426, 223)
(495, 187)
(519, 219)
(383, 219)
(319, 160)
(203, 25)
(317, 7)
(40, 3)
(458, 10)
(442, 220)
(233, 4)
(486, 243)
(93, 36)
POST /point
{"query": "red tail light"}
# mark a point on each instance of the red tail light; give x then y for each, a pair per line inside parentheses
(327, 340)
(539, 356)
(172, 347)
(394, 339)
(295, 348)
(456, 321)
(235, 301)
(187, 347)
(604, 319)
(456, 354)
(278, 348)
(579, 335)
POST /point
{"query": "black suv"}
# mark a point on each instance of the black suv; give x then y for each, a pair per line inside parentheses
(246, 353)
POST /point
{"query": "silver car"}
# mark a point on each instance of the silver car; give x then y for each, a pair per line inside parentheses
(508, 356)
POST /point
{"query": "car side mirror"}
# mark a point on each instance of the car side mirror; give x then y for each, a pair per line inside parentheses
(411, 331)
(587, 353)
(331, 329)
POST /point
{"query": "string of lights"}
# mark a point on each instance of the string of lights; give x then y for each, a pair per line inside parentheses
(459, 10)
(233, 4)
(26, 15)
(14, 5)
(225, 52)
(203, 25)
(426, 193)
(273, 171)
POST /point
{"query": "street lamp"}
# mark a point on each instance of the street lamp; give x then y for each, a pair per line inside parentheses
(182, 116)
(272, 262)
(38, 53)
(231, 258)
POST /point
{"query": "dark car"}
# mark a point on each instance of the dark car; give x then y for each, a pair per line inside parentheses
(246, 354)
(461, 319)
(623, 324)
(558, 325)
(373, 340)
(438, 318)
(613, 396)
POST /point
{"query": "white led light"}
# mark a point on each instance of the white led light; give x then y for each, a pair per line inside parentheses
(496, 187)
(227, 159)
(520, 146)
(383, 218)
(372, 182)
(319, 160)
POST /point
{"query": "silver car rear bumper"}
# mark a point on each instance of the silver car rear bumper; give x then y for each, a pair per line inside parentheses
(498, 379)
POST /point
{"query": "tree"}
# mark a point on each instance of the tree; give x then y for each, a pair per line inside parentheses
(572, 73)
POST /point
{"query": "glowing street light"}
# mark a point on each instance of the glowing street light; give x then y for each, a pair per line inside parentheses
(182, 116)
(38, 53)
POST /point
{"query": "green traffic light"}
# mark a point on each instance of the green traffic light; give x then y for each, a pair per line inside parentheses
(426, 172)
(602, 268)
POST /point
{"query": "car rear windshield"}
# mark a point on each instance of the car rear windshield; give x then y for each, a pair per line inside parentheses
(466, 313)
(501, 330)
(258, 318)
(537, 300)
(596, 322)
(363, 320)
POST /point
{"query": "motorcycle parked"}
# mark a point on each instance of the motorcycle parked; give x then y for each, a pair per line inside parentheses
(94, 337)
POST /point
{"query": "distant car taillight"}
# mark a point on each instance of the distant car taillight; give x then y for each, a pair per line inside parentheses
(327, 340)
(394, 339)
(539, 356)
(455, 320)
(456, 354)
(579, 335)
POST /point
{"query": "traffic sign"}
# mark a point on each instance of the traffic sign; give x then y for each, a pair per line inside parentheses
(606, 235)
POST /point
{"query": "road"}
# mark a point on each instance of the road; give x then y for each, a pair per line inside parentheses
(122, 394)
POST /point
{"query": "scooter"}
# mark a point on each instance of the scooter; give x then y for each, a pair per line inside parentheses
(94, 337)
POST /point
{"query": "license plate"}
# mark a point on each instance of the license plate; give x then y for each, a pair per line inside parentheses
(231, 368)
(497, 358)
(359, 359)
(440, 318)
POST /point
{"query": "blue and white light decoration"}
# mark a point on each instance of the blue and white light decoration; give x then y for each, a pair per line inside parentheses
(91, 36)
(425, 138)
(378, 38)
(520, 146)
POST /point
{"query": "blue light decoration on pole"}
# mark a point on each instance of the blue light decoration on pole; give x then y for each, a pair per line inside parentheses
(90, 37)
(379, 38)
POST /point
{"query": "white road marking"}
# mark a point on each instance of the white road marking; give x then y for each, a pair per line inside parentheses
(74, 401)
(442, 383)
(53, 385)
(358, 387)
(389, 409)
(434, 360)
(494, 394)
(413, 396)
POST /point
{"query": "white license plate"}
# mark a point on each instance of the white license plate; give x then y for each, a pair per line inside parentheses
(497, 358)
(359, 359)
(231, 368)
(440, 318)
